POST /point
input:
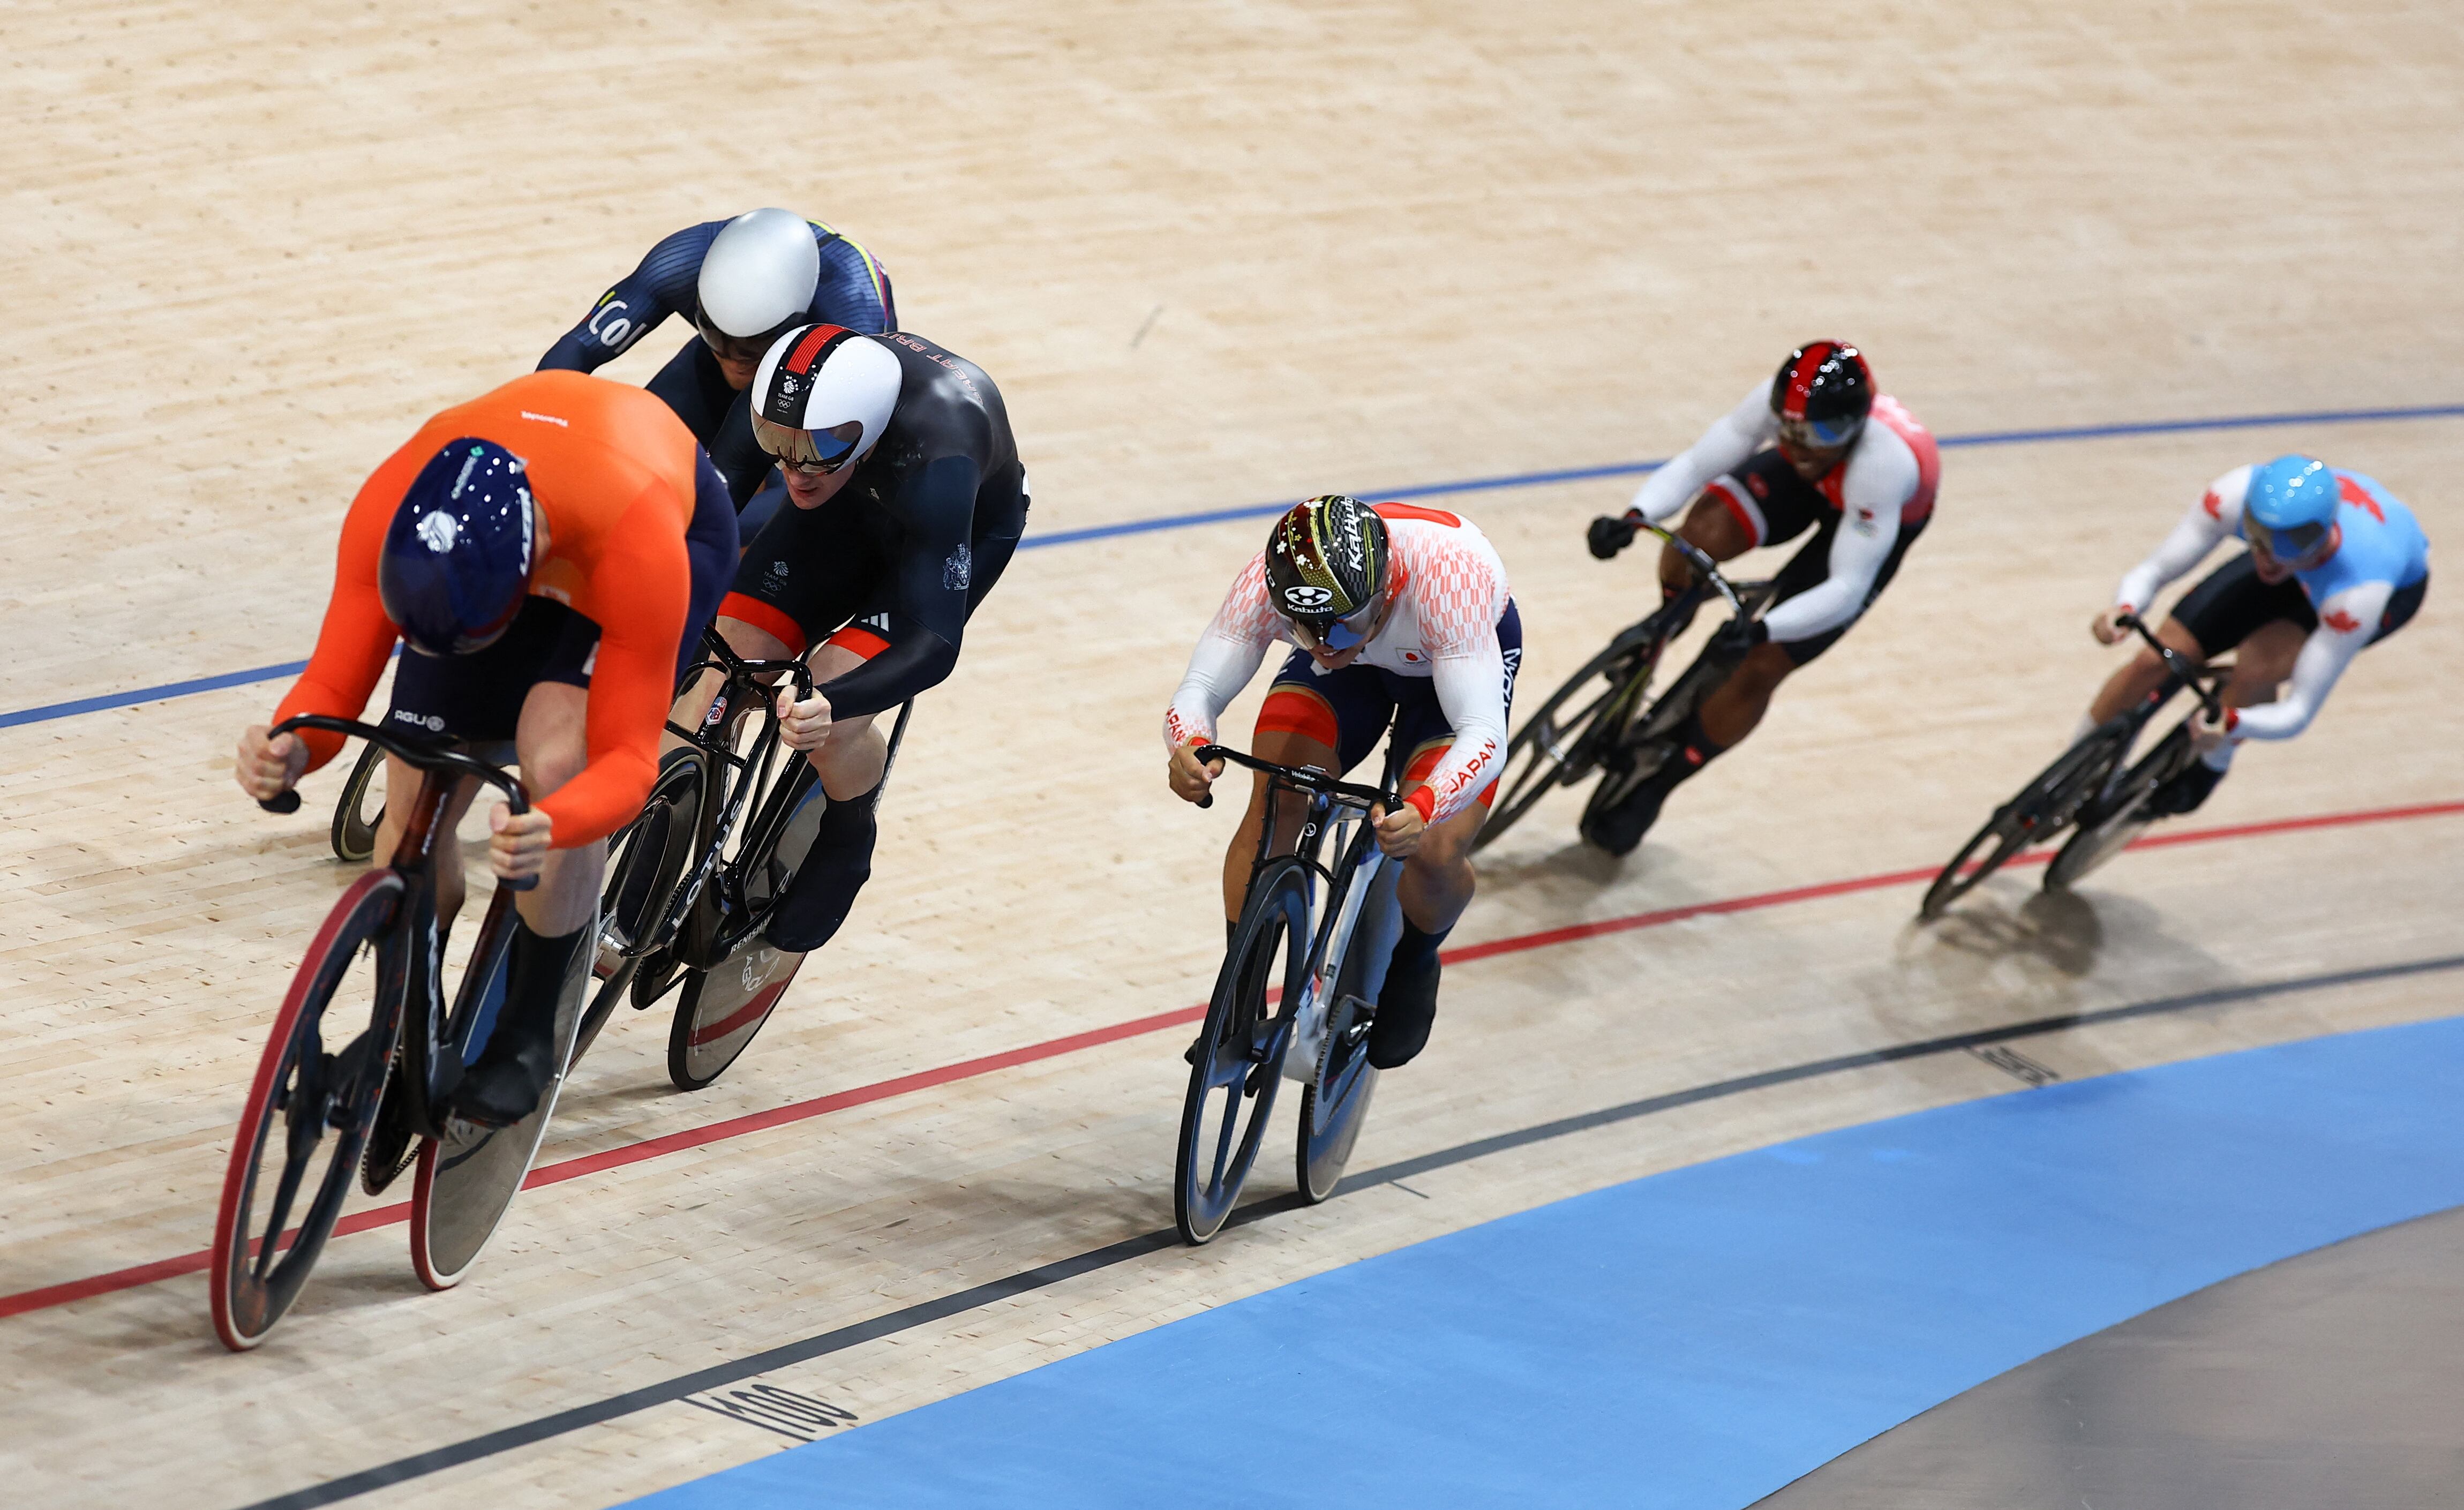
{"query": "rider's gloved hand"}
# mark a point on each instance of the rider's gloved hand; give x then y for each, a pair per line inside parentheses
(1733, 640)
(1607, 536)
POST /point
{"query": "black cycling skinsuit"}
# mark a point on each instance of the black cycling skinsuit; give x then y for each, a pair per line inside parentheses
(854, 292)
(894, 563)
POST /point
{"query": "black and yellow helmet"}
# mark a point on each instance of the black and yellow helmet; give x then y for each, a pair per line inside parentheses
(1325, 562)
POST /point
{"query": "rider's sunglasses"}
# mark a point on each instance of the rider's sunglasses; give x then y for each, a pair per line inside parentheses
(745, 350)
(2293, 541)
(813, 453)
(1340, 634)
(1818, 435)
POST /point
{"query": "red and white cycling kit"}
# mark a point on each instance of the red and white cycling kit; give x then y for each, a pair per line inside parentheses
(1449, 590)
(1883, 490)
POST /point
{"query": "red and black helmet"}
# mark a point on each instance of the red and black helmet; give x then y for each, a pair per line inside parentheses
(1821, 395)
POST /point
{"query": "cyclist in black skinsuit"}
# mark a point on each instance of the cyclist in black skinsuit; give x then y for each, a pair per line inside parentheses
(740, 282)
(905, 500)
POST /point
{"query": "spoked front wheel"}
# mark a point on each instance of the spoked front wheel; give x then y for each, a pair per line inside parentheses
(2043, 808)
(1238, 1059)
(360, 808)
(1558, 745)
(2107, 830)
(306, 1117)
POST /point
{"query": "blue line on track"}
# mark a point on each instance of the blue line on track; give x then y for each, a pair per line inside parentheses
(1258, 511)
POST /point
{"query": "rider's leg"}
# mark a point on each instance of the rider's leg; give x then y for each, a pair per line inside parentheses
(547, 963)
(1284, 746)
(1712, 526)
(850, 761)
(2262, 663)
(1435, 887)
(751, 642)
(2141, 674)
(402, 776)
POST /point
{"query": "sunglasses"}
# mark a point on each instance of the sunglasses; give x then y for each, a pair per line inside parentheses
(812, 453)
(1340, 634)
(1819, 435)
(2293, 541)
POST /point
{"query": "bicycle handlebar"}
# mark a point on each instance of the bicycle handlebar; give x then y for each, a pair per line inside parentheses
(2175, 662)
(1706, 568)
(420, 752)
(1308, 777)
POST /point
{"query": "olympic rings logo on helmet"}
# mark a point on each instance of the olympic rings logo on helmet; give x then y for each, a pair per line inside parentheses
(823, 397)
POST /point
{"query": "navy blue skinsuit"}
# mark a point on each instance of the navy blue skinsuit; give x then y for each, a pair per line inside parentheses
(854, 292)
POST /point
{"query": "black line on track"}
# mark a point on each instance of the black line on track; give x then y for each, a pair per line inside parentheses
(1028, 1281)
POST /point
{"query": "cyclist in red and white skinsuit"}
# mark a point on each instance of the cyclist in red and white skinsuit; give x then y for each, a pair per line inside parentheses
(1798, 453)
(1399, 616)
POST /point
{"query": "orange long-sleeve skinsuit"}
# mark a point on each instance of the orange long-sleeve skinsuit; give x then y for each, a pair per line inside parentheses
(613, 471)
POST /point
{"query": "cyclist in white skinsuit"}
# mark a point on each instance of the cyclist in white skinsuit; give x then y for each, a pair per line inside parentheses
(1797, 454)
(1401, 617)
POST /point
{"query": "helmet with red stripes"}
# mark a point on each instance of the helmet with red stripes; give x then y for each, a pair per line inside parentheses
(822, 395)
(1821, 395)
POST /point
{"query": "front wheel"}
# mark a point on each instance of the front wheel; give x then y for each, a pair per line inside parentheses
(2043, 808)
(2107, 828)
(301, 1094)
(1559, 745)
(1238, 1059)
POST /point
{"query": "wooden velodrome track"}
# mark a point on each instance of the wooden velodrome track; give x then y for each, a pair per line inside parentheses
(1215, 256)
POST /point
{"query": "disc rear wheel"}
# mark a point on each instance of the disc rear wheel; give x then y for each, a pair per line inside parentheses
(2107, 830)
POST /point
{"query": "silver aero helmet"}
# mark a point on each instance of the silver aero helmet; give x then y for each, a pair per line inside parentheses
(757, 276)
(822, 397)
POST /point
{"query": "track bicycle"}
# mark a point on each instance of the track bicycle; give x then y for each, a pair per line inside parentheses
(695, 878)
(1294, 999)
(2089, 785)
(360, 808)
(312, 1107)
(1604, 718)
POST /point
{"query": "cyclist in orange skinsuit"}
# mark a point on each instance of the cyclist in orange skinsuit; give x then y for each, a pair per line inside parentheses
(627, 512)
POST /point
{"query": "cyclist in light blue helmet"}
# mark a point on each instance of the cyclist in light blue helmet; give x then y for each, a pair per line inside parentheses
(2335, 563)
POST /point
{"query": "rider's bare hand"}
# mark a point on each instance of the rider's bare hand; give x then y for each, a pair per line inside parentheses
(2108, 627)
(1190, 780)
(517, 847)
(805, 725)
(1398, 832)
(266, 768)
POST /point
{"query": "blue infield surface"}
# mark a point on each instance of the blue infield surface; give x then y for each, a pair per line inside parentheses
(1701, 1337)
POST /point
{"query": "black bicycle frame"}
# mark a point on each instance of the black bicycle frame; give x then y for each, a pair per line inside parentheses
(715, 738)
(410, 986)
(1323, 794)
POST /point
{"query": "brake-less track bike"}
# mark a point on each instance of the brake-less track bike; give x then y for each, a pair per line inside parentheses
(2094, 785)
(694, 880)
(1604, 718)
(1295, 996)
(312, 1106)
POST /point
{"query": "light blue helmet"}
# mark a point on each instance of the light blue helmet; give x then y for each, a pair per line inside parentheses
(2293, 499)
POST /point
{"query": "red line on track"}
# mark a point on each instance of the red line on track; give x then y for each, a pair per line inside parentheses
(144, 1273)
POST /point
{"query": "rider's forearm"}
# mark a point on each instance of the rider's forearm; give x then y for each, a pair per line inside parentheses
(1726, 445)
(2323, 657)
(916, 662)
(1858, 552)
(1471, 690)
(2191, 539)
(1217, 669)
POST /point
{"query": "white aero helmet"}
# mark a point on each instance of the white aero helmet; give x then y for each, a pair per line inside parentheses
(759, 274)
(822, 396)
